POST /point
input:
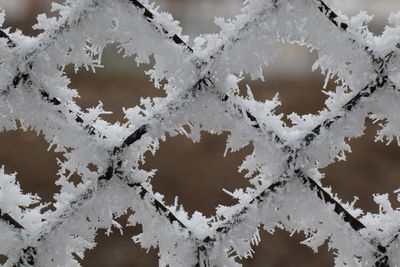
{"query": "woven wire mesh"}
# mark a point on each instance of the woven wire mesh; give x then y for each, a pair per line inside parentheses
(286, 193)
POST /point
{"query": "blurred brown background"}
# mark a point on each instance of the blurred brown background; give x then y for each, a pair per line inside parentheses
(198, 172)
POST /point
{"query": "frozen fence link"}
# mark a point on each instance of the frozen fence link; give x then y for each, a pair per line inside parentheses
(201, 87)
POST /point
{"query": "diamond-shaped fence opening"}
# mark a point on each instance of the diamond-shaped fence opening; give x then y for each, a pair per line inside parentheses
(293, 78)
(201, 95)
(180, 174)
(370, 168)
(116, 249)
(112, 85)
(25, 153)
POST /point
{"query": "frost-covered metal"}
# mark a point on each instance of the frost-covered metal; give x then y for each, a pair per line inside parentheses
(201, 84)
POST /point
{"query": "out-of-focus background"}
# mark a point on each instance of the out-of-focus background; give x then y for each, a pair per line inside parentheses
(198, 172)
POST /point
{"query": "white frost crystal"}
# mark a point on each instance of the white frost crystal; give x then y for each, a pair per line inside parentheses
(201, 86)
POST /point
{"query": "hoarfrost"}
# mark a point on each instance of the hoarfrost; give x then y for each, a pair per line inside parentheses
(201, 86)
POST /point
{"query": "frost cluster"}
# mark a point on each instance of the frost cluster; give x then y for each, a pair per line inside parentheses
(201, 85)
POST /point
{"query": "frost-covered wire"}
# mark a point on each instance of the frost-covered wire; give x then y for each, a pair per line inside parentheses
(201, 87)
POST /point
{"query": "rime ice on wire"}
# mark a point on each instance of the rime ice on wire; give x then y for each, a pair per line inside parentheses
(201, 85)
